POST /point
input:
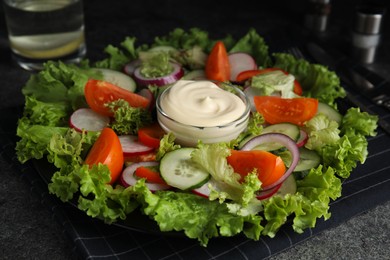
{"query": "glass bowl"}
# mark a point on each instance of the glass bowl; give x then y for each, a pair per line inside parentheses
(188, 134)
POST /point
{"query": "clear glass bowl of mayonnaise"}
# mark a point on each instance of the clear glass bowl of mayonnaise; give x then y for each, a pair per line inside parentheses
(203, 110)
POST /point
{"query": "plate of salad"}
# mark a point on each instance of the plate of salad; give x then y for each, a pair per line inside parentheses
(93, 134)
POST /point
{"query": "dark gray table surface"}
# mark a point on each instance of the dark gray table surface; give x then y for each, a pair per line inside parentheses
(28, 229)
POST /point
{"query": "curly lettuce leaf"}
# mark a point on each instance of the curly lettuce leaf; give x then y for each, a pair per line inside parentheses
(35, 139)
(198, 217)
(70, 148)
(316, 80)
(120, 56)
(100, 199)
(356, 122)
(321, 132)
(167, 144)
(310, 202)
(45, 113)
(60, 82)
(155, 64)
(127, 119)
(212, 157)
(351, 148)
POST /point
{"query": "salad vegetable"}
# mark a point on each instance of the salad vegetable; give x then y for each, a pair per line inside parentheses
(224, 196)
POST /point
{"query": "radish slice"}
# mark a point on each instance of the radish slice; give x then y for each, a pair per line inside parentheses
(131, 146)
(128, 179)
(177, 73)
(130, 67)
(276, 138)
(147, 93)
(239, 62)
(88, 120)
(118, 79)
(303, 137)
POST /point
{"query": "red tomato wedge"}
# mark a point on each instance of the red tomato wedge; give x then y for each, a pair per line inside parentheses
(151, 135)
(107, 150)
(98, 93)
(245, 75)
(217, 64)
(149, 174)
(286, 110)
(269, 166)
(148, 157)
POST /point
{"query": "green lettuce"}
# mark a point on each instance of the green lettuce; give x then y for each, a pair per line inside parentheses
(119, 57)
(316, 80)
(212, 157)
(198, 217)
(274, 82)
(34, 139)
(310, 202)
(127, 119)
(155, 64)
(60, 82)
(321, 132)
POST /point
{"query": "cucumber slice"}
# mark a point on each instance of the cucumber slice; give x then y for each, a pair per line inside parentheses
(289, 186)
(119, 79)
(179, 171)
(330, 112)
(288, 129)
(308, 159)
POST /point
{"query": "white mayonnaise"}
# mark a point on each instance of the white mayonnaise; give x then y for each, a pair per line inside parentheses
(200, 110)
(201, 103)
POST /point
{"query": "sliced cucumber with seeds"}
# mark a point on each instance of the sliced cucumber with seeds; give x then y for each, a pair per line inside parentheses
(308, 159)
(330, 112)
(179, 171)
(288, 129)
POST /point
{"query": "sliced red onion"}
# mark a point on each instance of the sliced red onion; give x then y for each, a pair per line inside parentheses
(177, 74)
(130, 67)
(265, 194)
(303, 137)
(128, 179)
(278, 138)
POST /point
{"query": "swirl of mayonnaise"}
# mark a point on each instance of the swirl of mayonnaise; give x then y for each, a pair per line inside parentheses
(201, 103)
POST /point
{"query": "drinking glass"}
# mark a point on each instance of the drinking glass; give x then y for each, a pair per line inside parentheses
(42, 30)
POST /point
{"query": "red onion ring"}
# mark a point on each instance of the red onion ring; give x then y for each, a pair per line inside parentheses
(303, 137)
(130, 67)
(265, 194)
(176, 74)
(286, 142)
